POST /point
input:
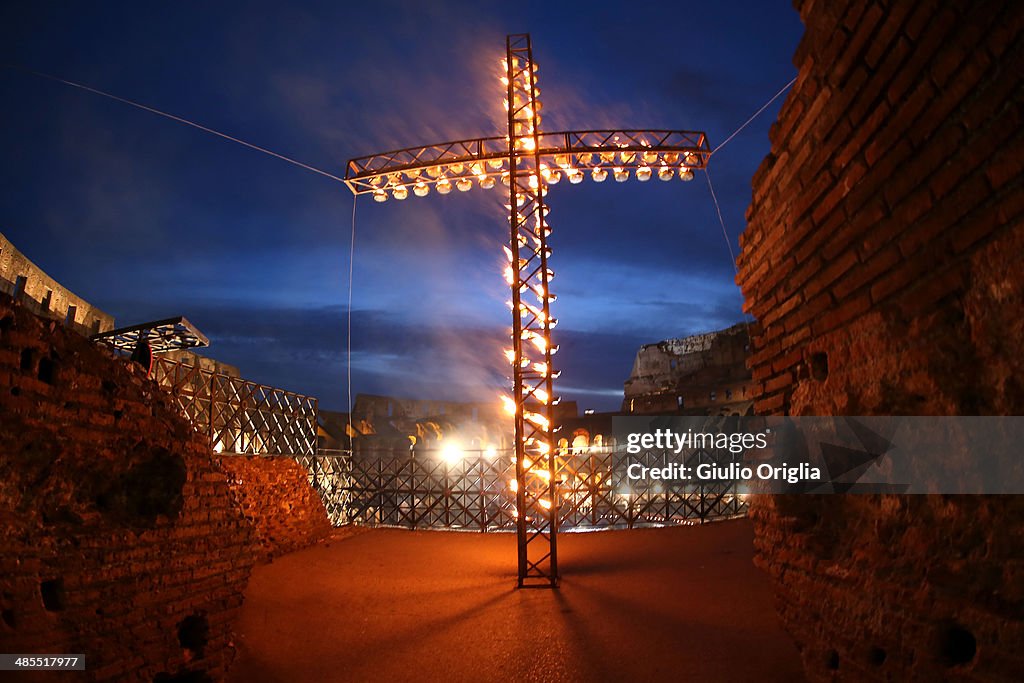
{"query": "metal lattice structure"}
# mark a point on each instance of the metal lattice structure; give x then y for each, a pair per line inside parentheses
(240, 417)
(162, 336)
(420, 490)
(528, 162)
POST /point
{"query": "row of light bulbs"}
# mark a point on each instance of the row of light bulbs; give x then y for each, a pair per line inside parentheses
(574, 176)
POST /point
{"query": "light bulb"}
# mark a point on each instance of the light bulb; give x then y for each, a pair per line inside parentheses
(464, 184)
(380, 196)
(621, 175)
(627, 157)
(443, 186)
(671, 158)
(435, 171)
(665, 173)
(643, 174)
(377, 180)
(505, 179)
(650, 157)
(685, 174)
(495, 163)
(575, 176)
(487, 182)
(421, 189)
(599, 174)
(554, 177)
(457, 168)
(400, 192)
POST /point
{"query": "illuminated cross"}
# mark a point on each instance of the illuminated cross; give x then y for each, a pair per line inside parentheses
(529, 162)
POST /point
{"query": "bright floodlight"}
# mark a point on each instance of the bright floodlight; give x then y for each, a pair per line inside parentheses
(451, 452)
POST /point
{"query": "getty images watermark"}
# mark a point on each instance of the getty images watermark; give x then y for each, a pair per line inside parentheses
(656, 455)
(666, 440)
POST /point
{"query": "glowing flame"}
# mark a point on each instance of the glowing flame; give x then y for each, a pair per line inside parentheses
(537, 419)
(538, 340)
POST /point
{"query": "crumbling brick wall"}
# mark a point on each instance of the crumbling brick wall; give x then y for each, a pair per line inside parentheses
(276, 497)
(120, 537)
(882, 260)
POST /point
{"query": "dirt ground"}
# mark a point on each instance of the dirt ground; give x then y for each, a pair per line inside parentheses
(668, 604)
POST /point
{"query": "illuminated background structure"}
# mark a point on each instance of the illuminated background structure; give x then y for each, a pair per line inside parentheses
(528, 162)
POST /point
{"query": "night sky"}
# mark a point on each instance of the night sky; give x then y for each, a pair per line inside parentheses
(147, 218)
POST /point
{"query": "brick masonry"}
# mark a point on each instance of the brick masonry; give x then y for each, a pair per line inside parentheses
(275, 496)
(122, 536)
(883, 262)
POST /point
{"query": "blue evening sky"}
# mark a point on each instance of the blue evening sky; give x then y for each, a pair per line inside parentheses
(148, 218)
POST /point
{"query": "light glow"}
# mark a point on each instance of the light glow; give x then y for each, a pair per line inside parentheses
(451, 452)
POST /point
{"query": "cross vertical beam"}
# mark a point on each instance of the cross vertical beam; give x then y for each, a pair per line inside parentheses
(536, 495)
(528, 161)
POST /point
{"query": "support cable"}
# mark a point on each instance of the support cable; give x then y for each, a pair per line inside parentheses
(173, 117)
(351, 270)
(756, 114)
(714, 198)
(732, 254)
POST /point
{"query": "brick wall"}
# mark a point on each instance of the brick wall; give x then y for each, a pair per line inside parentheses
(882, 260)
(120, 537)
(275, 496)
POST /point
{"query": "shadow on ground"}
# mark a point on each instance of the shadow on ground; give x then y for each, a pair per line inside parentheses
(394, 605)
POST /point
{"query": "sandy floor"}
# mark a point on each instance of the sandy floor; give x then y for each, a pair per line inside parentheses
(393, 605)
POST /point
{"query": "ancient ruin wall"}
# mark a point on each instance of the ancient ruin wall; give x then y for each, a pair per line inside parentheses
(883, 262)
(697, 374)
(121, 539)
(276, 497)
(46, 295)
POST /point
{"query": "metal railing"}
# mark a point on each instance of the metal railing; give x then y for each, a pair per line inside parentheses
(421, 489)
(240, 416)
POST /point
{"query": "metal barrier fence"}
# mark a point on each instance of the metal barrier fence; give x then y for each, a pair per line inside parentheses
(240, 416)
(421, 489)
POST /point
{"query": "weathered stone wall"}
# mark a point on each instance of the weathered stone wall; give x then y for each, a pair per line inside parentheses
(275, 496)
(120, 537)
(883, 262)
(45, 295)
(704, 374)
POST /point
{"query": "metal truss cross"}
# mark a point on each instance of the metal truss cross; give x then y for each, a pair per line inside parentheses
(529, 162)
